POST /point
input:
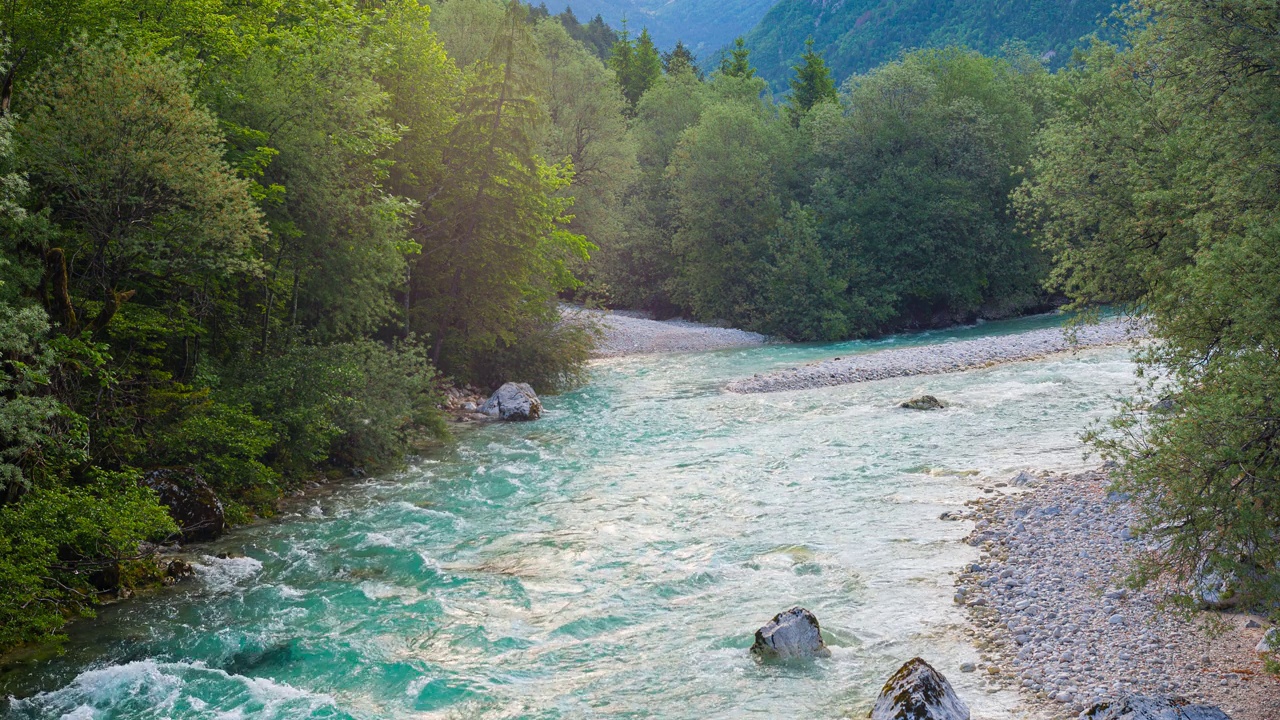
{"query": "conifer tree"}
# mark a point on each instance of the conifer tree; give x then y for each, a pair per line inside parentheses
(679, 60)
(812, 84)
(738, 63)
(637, 64)
(647, 68)
(622, 57)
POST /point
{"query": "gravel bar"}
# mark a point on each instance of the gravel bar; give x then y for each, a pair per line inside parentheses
(1051, 615)
(941, 358)
(632, 334)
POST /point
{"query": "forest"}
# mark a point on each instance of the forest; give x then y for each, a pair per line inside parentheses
(857, 36)
(256, 241)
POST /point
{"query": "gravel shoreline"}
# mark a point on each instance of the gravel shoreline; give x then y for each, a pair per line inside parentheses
(941, 358)
(1052, 618)
(632, 334)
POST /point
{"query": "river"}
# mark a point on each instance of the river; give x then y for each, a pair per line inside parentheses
(610, 560)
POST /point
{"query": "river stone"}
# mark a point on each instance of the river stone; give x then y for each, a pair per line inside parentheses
(1214, 590)
(192, 503)
(1024, 479)
(924, 402)
(1270, 642)
(513, 401)
(918, 692)
(1137, 707)
(791, 634)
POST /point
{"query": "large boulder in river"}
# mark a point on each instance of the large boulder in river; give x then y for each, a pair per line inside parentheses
(918, 692)
(513, 401)
(191, 502)
(1136, 707)
(791, 634)
(924, 402)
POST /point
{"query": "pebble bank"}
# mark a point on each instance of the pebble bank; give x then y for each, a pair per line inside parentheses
(625, 333)
(1053, 618)
(941, 358)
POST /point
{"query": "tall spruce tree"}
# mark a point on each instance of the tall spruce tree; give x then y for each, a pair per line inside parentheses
(738, 63)
(498, 251)
(812, 84)
(680, 59)
(637, 64)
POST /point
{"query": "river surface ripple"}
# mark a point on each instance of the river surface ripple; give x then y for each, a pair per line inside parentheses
(610, 560)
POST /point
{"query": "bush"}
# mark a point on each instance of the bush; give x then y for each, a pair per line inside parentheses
(59, 544)
(224, 443)
(549, 355)
(357, 404)
(390, 397)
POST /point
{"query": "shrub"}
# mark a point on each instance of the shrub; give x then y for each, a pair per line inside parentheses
(58, 540)
(549, 355)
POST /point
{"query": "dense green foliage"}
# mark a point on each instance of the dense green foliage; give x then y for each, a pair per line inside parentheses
(1156, 189)
(595, 35)
(858, 35)
(834, 216)
(248, 238)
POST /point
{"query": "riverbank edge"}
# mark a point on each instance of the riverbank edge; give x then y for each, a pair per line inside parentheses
(944, 358)
(1050, 610)
(626, 333)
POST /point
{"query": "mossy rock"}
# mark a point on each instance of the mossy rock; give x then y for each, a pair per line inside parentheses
(924, 402)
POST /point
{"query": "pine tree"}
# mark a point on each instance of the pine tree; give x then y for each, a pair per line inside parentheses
(622, 58)
(738, 64)
(637, 64)
(600, 36)
(811, 85)
(499, 251)
(647, 68)
(679, 60)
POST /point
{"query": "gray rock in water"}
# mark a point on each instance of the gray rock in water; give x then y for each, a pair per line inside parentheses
(924, 402)
(513, 401)
(918, 692)
(791, 634)
(1137, 707)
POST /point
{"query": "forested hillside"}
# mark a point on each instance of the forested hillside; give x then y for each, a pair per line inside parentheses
(703, 25)
(857, 35)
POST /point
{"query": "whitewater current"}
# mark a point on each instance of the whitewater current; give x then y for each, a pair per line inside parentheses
(610, 560)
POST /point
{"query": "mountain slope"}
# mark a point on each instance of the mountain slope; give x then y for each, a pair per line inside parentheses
(704, 25)
(857, 35)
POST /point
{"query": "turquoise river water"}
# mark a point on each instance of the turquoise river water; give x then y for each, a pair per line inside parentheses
(610, 560)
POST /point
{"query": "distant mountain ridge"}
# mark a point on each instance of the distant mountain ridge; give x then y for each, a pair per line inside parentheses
(857, 35)
(703, 25)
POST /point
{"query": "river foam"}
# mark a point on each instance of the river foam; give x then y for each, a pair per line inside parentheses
(611, 559)
(147, 689)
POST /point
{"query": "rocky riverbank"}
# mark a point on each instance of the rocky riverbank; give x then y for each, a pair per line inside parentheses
(1052, 617)
(630, 333)
(941, 358)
